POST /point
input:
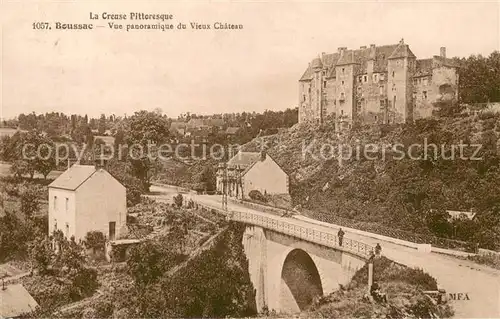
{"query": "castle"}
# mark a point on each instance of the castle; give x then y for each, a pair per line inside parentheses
(377, 84)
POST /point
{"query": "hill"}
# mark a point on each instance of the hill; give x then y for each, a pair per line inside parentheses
(385, 177)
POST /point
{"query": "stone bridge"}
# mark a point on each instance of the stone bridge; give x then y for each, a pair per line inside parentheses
(290, 264)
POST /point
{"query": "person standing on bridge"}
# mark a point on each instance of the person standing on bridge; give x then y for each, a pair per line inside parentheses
(340, 235)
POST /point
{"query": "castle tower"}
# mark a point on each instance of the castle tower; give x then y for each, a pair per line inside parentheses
(400, 69)
(345, 88)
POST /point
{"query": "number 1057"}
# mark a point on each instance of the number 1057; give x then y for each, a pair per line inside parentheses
(41, 25)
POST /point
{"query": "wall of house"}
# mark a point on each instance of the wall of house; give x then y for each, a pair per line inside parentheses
(370, 89)
(399, 89)
(100, 200)
(344, 84)
(60, 213)
(265, 176)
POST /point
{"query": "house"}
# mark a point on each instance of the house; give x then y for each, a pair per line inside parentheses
(455, 214)
(248, 171)
(87, 198)
(375, 85)
(15, 301)
(231, 131)
(108, 140)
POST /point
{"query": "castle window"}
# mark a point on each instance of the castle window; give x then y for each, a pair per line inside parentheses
(324, 72)
(341, 112)
(375, 77)
(381, 89)
(382, 104)
(424, 93)
(415, 81)
(360, 78)
(309, 90)
(343, 70)
(365, 78)
(392, 73)
(359, 89)
(304, 98)
(342, 82)
(382, 77)
(426, 81)
(324, 84)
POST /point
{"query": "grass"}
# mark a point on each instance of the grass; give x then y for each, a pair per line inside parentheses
(488, 260)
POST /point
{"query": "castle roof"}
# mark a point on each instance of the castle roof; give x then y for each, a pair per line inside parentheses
(316, 63)
(423, 67)
(402, 51)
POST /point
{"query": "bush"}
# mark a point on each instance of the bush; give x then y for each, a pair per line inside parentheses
(178, 200)
(256, 195)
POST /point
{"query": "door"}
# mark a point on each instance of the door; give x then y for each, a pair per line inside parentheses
(112, 230)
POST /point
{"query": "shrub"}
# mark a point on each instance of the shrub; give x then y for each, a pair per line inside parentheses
(256, 195)
(178, 200)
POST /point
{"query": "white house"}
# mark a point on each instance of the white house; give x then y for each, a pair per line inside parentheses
(248, 171)
(85, 198)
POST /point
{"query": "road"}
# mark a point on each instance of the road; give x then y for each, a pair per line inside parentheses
(481, 284)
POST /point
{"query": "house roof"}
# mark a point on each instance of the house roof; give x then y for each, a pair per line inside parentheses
(73, 177)
(455, 214)
(423, 67)
(402, 51)
(15, 300)
(244, 159)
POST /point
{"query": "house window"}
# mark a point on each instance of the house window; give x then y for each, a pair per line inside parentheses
(309, 90)
(393, 73)
(55, 202)
(426, 81)
(342, 82)
(381, 89)
(67, 200)
(343, 70)
(341, 112)
(324, 72)
(360, 78)
(365, 78)
(425, 95)
(67, 230)
(342, 96)
(382, 104)
(375, 77)
(55, 224)
(359, 89)
(324, 84)
(382, 77)
(415, 81)
(304, 98)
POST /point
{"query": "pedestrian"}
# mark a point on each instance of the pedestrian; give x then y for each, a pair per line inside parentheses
(378, 248)
(340, 234)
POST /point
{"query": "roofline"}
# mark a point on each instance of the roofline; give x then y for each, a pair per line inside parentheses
(74, 189)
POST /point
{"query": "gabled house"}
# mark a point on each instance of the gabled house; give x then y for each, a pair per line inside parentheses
(85, 198)
(248, 171)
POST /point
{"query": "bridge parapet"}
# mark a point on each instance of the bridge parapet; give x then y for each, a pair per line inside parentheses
(305, 233)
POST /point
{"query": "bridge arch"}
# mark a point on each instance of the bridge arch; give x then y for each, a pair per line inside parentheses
(300, 281)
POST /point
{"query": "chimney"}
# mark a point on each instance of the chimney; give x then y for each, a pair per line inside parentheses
(342, 50)
(263, 155)
(442, 52)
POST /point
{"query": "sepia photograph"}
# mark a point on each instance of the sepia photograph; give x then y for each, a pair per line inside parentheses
(249, 159)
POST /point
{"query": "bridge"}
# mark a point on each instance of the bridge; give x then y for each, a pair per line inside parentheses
(288, 253)
(290, 264)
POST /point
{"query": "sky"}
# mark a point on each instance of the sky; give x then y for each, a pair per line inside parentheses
(210, 71)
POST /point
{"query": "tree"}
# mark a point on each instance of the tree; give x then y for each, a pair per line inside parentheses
(101, 126)
(178, 200)
(29, 201)
(95, 240)
(144, 263)
(41, 254)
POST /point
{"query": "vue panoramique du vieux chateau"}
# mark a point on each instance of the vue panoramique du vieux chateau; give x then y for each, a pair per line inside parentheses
(378, 84)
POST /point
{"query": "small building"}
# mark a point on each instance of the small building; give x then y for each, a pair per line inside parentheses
(231, 131)
(248, 171)
(87, 198)
(15, 301)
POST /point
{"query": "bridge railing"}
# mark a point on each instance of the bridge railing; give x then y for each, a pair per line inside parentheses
(308, 234)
